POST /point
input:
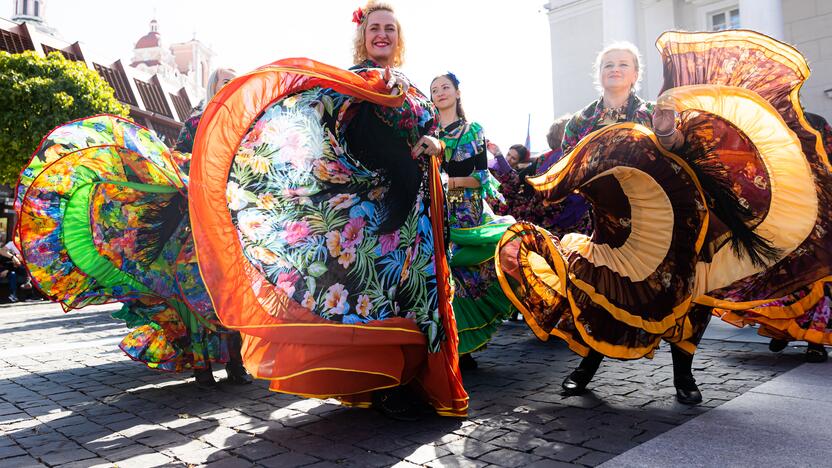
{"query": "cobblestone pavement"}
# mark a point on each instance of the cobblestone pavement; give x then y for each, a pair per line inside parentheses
(69, 397)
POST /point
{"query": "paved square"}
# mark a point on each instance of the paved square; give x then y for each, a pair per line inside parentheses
(70, 397)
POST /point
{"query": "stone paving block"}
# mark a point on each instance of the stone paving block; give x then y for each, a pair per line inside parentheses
(223, 437)
(594, 458)
(519, 441)
(546, 463)
(456, 461)
(66, 456)
(88, 463)
(10, 451)
(559, 451)
(259, 449)
(287, 459)
(20, 462)
(229, 462)
(471, 448)
(422, 455)
(509, 458)
(144, 461)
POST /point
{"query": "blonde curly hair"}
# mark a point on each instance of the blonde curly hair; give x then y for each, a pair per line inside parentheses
(359, 46)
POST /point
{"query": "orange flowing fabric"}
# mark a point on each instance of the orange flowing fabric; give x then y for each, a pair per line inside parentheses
(284, 342)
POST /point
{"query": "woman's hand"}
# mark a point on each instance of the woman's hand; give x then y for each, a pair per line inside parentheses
(426, 145)
(396, 83)
(664, 127)
(664, 121)
(493, 148)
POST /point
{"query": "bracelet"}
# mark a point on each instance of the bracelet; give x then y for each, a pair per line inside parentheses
(667, 135)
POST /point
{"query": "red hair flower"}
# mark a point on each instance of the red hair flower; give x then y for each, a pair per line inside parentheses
(358, 16)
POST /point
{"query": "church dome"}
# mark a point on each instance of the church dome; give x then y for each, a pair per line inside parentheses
(151, 39)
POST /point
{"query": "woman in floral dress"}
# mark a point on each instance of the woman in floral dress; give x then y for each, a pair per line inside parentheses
(318, 214)
(479, 303)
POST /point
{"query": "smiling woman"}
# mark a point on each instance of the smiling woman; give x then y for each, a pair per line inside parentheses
(379, 36)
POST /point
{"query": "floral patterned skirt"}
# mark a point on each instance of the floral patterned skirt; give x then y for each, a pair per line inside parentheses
(479, 304)
(805, 315)
(291, 244)
(103, 218)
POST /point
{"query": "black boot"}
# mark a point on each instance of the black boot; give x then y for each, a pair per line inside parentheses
(687, 392)
(237, 374)
(775, 345)
(816, 353)
(204, 378)
(397, 403)
(467, 362)
(576, 382)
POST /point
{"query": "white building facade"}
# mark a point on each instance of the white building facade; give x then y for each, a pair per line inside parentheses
(581, 28)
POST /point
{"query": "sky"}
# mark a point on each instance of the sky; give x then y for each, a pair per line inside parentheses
(499, 50)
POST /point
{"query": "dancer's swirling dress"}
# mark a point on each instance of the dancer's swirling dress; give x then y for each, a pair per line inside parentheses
(103, 218)
(736, 218)
(291, 202)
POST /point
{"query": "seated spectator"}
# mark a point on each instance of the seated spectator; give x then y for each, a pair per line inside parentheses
(11, 268)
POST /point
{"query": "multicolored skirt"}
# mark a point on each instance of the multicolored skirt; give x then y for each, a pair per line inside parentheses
(103, 218)
(480, 306)
(737, 219)
(287, 224)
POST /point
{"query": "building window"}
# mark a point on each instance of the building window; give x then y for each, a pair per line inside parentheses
(728, 18)
(37, 7)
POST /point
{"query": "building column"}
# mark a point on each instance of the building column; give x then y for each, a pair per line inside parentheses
(765, 16)
(619, 17)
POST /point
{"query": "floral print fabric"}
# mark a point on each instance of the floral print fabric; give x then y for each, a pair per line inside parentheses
(308, 214)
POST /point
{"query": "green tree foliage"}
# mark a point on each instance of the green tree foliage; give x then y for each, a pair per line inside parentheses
(39, 93)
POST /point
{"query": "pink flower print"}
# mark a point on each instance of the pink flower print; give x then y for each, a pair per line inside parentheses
(293, 148)
(353, 232)
(335, 300)
(333, 243)
(363, 307)
(295, 231)
(343, 201)
(286, 282)
(389, 242)
(347, 257)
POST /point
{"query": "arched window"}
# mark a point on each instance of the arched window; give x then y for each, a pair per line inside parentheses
(37, 7)
(25, 7)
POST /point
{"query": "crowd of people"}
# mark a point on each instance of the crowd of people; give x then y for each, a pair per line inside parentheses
(370, 245)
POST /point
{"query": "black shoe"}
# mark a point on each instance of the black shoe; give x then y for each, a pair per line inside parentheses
(467, 362)
(816, 353)
(396, 403)
(237, 374)
(204, 379)
(687, 393)
(576, 382)
(775, 345)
